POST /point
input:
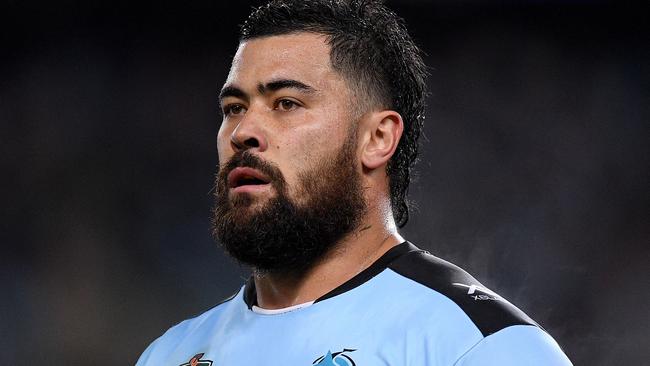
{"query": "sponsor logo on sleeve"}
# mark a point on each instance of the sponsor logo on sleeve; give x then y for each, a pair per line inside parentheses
(479, 293)
(197, 361)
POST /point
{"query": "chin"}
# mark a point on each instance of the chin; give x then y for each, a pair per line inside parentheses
(244, 201)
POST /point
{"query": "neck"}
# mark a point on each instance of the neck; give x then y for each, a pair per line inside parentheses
(356, 252)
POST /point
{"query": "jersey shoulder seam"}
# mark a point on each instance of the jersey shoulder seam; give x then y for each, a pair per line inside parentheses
(470, 349)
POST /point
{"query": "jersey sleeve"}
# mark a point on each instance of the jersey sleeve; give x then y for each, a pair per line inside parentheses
(515, 345)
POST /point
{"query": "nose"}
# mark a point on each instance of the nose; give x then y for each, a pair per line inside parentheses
(249, 134)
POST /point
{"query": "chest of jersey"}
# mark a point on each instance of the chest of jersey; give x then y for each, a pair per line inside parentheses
(382, 322)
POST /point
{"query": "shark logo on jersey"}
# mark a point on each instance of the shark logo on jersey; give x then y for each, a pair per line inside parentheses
(197, 361)
(335, 359)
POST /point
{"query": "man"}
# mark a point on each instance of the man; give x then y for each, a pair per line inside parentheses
(322, 110)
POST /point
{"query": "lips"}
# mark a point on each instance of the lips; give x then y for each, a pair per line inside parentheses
(244, 177)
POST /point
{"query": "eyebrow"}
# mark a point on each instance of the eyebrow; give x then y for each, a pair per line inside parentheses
(275, 85)
(231, 91)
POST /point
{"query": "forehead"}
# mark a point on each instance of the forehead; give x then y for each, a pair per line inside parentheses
(299, 56)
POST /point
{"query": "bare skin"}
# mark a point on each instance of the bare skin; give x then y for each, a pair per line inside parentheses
(294, 124)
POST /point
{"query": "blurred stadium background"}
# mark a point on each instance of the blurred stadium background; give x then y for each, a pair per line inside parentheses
(534, 173)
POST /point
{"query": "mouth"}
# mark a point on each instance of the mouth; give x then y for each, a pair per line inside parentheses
(244, 179)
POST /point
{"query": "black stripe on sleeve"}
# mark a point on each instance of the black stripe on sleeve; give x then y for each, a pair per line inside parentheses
(489, 311)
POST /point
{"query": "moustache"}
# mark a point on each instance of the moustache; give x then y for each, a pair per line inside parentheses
(249, 160)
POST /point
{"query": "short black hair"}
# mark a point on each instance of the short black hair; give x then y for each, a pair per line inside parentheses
(372, 50)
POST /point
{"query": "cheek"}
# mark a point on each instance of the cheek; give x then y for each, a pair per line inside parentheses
(301, 147)
(223, 144)
(306, 150)
(315, 132)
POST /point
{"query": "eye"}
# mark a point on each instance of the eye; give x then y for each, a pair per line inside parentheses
(286, 105)
(233, 109)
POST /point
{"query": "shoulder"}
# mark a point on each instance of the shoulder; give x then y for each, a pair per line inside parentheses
(183, 332)
(515, 345)
(486, 309)
(509, 336)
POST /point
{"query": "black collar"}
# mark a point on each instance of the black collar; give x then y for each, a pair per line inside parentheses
(250, 294)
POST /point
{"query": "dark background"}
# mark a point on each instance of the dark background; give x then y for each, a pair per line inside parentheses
(534, 173)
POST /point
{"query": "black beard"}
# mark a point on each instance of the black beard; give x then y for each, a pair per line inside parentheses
(283, 236)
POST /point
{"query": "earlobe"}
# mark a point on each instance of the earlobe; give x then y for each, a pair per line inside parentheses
(383, 134)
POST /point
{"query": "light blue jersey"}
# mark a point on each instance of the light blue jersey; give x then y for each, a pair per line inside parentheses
(408, 308)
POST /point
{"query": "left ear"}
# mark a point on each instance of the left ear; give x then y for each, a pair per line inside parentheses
(381, 134)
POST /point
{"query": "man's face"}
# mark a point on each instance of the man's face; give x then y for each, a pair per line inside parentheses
(288, 184)
(283, 98)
